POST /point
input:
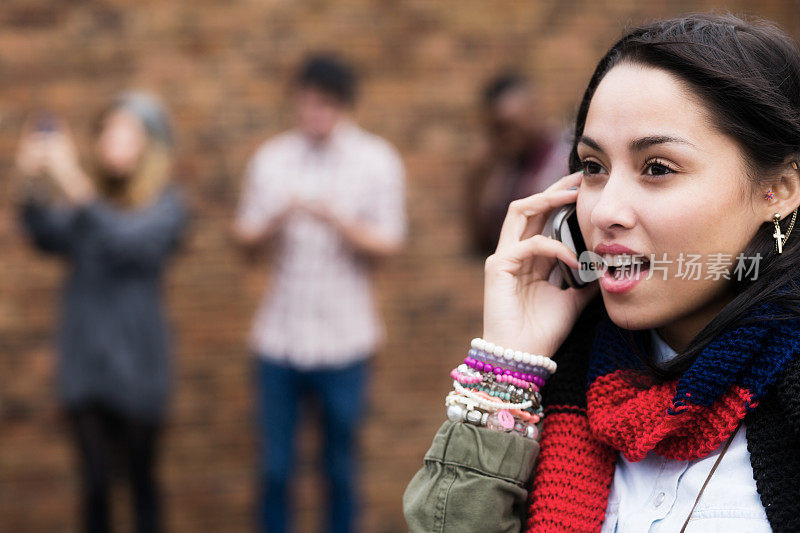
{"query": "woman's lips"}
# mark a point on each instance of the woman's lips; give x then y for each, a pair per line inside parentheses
(614, 249)
(623, 279)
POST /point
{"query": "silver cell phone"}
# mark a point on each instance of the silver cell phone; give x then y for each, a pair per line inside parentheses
(564, 227)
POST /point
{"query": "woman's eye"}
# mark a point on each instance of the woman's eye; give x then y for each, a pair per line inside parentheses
(657, 169)
(591, 167)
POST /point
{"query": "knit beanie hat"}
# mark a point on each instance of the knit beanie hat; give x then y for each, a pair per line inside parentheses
(150, 111)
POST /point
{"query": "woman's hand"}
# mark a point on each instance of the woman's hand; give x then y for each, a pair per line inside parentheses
(522, 311)
(32, 155)
(52, 155)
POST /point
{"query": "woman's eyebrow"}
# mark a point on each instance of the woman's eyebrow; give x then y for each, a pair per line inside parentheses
(645, 142)
(637, 144)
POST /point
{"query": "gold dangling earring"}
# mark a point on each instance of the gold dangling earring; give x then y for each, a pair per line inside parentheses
(781, 239)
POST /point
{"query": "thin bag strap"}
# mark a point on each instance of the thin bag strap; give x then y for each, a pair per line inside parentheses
(713, 468)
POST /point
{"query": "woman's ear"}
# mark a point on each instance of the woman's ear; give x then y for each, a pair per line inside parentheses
(785, 190)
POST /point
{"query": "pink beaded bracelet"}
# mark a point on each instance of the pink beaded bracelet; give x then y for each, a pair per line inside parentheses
(481, 366)
(464, 379)
(517, 382)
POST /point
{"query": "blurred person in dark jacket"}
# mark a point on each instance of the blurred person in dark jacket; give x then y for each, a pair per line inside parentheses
(521, 154)
(116, 224)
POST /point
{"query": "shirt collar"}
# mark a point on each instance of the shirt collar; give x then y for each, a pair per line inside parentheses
(340, 134)
(661, 350)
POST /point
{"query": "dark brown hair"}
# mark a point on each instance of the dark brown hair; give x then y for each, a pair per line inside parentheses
(747, 74)
(329, 74)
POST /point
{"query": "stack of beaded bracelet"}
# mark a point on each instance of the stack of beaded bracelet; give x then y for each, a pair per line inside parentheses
(499, 388)
(512, 359)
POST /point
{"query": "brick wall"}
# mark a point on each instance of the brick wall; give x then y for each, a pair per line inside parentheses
(221, 67)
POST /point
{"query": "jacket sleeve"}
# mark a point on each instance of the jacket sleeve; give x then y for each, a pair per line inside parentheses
(476, 479)
(473, 480)
(50, 227)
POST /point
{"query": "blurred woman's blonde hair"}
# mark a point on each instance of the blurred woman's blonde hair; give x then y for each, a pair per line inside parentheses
(154, 170)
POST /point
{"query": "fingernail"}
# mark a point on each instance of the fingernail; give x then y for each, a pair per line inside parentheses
(575, 188)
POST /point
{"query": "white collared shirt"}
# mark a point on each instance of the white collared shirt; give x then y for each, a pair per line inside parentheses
(319, 311)
(657, 494)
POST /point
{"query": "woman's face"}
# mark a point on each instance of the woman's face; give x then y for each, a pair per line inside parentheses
(121, 143)
(660, 179)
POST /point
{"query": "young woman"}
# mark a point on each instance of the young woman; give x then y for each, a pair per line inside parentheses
(116, 225)
(675, 404)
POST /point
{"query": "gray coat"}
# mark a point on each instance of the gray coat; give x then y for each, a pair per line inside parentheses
(113, 341)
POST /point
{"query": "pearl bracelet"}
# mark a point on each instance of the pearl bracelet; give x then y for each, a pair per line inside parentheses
(515, 355)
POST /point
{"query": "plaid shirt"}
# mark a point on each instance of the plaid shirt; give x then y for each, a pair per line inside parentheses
(320, 310)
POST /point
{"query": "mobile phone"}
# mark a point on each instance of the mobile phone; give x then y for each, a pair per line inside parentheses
(46, 123)
(564, 227)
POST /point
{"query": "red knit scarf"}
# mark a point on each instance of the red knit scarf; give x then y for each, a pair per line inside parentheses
(579, 446)
(594, 410)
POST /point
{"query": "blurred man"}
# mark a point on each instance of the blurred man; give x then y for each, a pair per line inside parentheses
(333, 196)
(521, 155)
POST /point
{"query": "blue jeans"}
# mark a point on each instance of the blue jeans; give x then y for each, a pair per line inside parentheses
(340, 393)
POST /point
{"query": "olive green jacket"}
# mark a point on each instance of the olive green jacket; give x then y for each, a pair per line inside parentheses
(477, 480)
(473, 480)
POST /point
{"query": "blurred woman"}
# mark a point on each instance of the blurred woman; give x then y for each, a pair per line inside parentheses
(117, 224)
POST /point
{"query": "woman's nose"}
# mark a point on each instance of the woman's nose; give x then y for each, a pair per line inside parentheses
(613, 209)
